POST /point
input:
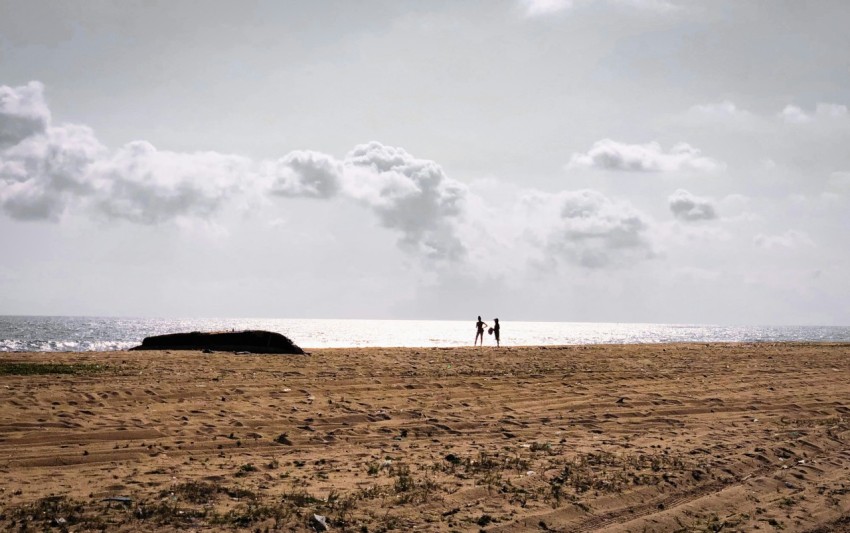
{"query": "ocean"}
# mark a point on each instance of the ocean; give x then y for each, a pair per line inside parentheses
(73, 333)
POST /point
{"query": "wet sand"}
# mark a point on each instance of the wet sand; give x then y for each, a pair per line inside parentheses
(738, 437)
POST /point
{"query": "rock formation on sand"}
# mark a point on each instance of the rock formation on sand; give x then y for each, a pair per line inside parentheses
(254, 341)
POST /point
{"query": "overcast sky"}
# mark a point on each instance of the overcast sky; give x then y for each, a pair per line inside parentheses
(567, 160)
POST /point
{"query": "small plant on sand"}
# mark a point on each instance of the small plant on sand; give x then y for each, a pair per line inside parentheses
(541, 447)
(408, 489)
(12, 368)
(167, 512)
(603, 471)
(403, 481)
(370, 493)
(245, 470)
(198, 492)
(54, 511)
(204, 492)
(300, 498)
(244, 516)
(484, 520)
(341, 507)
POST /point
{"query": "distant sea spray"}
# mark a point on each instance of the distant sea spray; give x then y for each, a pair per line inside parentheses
(71, 333)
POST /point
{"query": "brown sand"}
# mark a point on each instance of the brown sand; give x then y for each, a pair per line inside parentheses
(738, 437)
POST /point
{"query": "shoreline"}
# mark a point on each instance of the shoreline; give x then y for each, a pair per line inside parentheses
(835, 343)
(114, 334)
(578, 437)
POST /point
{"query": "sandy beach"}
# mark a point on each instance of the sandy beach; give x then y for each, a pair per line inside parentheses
(738, 437)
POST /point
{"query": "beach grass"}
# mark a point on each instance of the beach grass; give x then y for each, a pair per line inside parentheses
(19, 368)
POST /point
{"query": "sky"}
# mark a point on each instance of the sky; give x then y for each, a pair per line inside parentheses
(670, 161)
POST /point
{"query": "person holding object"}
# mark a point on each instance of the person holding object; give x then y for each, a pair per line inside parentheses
(495, 330)
(479, 331)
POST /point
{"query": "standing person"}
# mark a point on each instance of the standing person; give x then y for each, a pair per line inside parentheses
(479, 331)
(496, 330)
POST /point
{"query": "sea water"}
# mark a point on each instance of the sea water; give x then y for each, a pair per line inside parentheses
(67, 333)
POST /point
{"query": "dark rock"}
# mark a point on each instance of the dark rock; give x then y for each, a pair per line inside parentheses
(255, 341)
(452, 458)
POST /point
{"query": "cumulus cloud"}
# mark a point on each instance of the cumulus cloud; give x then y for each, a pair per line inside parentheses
(612, 155)
(831, 110)
(789, 240)
(725, 114)
(685, 206)
(588, 229)
(408, 194)
(412, 196)
(796, 115)
(23, 113)
(42, 173)
(44, 169)
(306, 174)
(148, 186)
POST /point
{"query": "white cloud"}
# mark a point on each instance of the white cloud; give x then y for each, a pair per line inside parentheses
(612, 155)
(144, 185)
(686, 206)
(304, 173)
(534, 8)
(587, 228)
(724, 113)
(796, 115)
(51, 169)
(790, 239)
(23, 113)
(831, 110)
(692, 236)
(42, 167)
(45, 169)
(43, 173)
(407, 194)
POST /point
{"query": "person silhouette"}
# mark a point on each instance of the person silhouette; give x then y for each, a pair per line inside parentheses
(479, 331)
(496, 330)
